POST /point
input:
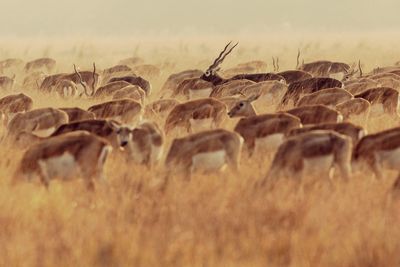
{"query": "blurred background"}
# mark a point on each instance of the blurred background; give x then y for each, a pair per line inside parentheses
(23, 18)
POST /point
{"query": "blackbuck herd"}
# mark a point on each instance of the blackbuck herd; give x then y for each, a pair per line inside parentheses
(304, 122)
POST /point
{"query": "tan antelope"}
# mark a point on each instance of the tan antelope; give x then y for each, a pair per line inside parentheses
(134, 80)
(263, 133)
(13, 104)
(359, 87)
(115, 71)
(230, 88)
(377, 152)
(131, 61)
(328, 97)
(117, 135)
(133, 92)
(196, 115)
(384, 100)
(41, 122)
(109, 89)
(324, 68)
(193, 89)
(356, 110)
(316, 114)
(311, 154)
(78, 114)
(10, 63)
(34, 80)
(351, 130)
(66, 88)
(158, 110)
(124, 110)
(76, 154)
(147, 71)
(47, 64)
(256, 66)
(6, 83)
(174, 80)
(146, 144)
(206, 151)
(298, 89)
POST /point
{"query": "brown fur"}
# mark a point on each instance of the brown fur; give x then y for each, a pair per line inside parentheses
(329, 97)
(316, 114)
(126, 110)
(386, 96)
(47, 63)
(77, 114)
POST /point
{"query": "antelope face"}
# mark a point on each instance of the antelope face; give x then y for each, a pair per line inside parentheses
(243, 108)
(124, 135)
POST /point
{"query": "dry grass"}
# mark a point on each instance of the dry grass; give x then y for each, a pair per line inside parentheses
(216, 220)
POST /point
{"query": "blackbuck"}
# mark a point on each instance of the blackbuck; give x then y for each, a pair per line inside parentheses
(12, 104)
(292, 76)
(328, 97)
(173, 81)
(356, 110)
(204, 152)
(377, 152)
(298, 89)
(311, 155)
(384, 100)
(47, 64)
(123, 110)
(109, 89)
(134, 80)
(351, 130)
(146, 144)
(230, 88)
(78, 114)
(66, 88)
(316, 114)
(264, 133)
(193, 89)
(117, 135)
(41, 122)
(324, 68)
(66, 157)
(361, 86)
(133, 92)
(6, 83)
(196, 115)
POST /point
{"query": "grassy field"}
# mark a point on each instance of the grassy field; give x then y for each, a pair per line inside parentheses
(215, 220)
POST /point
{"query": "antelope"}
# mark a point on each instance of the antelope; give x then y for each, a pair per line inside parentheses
(116, 134)
(230, 88)
(158, 109)
(41, 63)
(6, 83)
(133, 92)
(146, 144)
(10, 62)
(355, 109)
(292, 76)
(76, 154)
(316, 114)
(345, 128)
(66, 88)
(206, 151)
(132, 61)
(311, 154)
(196, 114)
(265, 132)
(359, 87)
(78, 114)
(33, 80)
(297, 89)
(124, 110)
(323, 68)
(193, 89)
(110, 88)
(382, 99)
(329, 97)
(211, 75)
(147, 70)
(42, 121)
(13, 104)
(134, 80)
(115, 71)
(378, 151)
(247, 67)
(175, 79)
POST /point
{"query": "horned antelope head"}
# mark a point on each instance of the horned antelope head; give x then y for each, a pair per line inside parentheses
(84, 85)
(211, 72)
(243, 108)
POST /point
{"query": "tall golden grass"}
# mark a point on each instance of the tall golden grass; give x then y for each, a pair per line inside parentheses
(211, 220)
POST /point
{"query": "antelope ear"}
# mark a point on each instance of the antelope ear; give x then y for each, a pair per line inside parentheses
(114, 124)
(253, 98)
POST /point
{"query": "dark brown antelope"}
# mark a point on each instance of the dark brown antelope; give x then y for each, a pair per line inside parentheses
(384, 100)
(124, 110)
(316, 114)
(328, 97)
(6, 83)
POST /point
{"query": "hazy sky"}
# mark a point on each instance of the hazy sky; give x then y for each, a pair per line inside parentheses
(115, 17)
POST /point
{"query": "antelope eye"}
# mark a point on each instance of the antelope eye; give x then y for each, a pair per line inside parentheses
(208, 73)
(241, 104)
